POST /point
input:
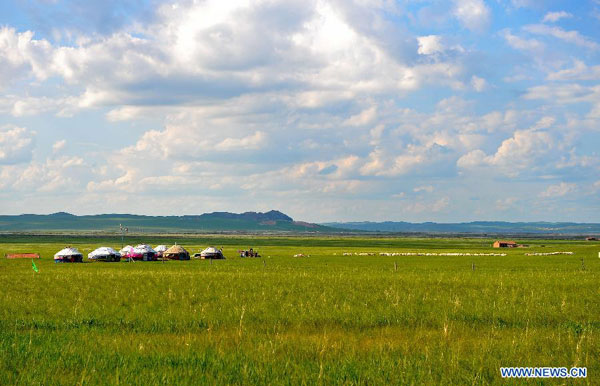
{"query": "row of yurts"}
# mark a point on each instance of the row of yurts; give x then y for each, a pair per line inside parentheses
(141, 252)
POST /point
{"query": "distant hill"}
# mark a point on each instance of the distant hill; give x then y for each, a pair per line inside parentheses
(274, 221)
(217, 221)
(477, 227)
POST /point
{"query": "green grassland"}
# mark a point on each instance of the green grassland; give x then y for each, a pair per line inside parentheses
(321, 319)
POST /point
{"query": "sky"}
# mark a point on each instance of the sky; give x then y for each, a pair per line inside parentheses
(328, 110)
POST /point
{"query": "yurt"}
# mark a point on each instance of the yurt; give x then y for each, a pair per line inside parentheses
(160, 250)
(126, 250)
(104, 254)
(176, 252)
(68, 255)
(143, 252)
(210, 253)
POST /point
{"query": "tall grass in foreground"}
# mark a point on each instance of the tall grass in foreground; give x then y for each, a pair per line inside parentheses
(326, 318)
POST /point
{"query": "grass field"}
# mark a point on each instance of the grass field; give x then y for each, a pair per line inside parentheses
(327, 318)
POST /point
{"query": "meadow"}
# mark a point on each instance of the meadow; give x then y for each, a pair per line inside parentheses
(320, 319)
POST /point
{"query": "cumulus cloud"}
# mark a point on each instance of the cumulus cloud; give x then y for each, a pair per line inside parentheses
(316, 52)
(16, 145)
(63, 174)
(558, 190)
(472, 14)
(305, 105)
(22, 56)
(522, 152)
(363, 118)
(430, 44)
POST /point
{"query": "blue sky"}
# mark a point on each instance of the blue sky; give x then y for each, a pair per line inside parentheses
(327, 110)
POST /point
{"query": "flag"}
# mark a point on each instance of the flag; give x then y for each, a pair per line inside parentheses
(34, 267)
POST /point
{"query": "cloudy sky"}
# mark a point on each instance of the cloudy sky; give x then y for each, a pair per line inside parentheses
(326, 110)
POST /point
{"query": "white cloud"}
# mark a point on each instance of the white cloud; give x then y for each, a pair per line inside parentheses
(59, 146)
(253, 141)
(301, 105)
(428, 207)
(525, 3)
(424, 188)
(479, 84)
(573, 37)
(472, 159)
(506, 203)
(61, 175)
(544, 123)
(310, 55)
(522, 44)
(16, 145)
(524, 151)
(564, 93)
(553, 17)
(363, 118)
(579, 71)
(380, 163)
(558, 190)
(21, 56)
(472, 14)
(430, 44)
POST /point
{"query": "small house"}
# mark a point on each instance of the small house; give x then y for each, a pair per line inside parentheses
(505, 244)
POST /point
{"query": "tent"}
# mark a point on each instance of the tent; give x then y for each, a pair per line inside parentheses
(160, 250)
(68, 255)
(210, 253)
(104, 254)
(126, 250)
(176, 252)
(143, 252)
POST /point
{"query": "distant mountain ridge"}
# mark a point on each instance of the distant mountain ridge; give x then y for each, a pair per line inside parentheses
(475, 227)
(272, 220)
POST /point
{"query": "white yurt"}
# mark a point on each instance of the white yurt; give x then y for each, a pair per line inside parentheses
(68, 255)
(160, 250)
(104, 254)
(126, 250)
(143, 252)
(210, 253)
